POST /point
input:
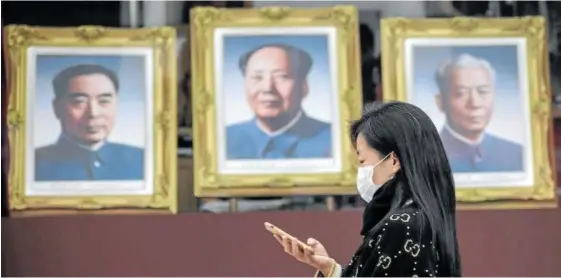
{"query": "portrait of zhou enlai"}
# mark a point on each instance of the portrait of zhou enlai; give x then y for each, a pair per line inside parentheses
(275, 78)
(86, 98)
(467, 87)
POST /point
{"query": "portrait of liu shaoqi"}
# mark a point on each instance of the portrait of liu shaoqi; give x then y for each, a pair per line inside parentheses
(473, 95)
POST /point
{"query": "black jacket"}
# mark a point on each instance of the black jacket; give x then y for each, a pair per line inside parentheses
(397, 241)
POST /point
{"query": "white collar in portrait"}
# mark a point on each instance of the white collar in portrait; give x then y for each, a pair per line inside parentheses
(93, 147)
(462, 138)
(282, 129)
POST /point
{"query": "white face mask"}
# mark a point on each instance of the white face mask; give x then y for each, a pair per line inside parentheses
(366, 187)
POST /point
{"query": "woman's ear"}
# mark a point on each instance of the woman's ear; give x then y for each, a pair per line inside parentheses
(396, 164)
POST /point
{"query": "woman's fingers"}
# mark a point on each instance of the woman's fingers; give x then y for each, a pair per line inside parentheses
(308, 256)
(291, 246)
(286, 244)
(312, 241)
(278, 238)
(308, 252)
(300, 252)
(295, 248)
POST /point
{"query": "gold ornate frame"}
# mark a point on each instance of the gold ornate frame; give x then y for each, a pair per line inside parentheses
(162, 40)
(394, 33)
(208, 182)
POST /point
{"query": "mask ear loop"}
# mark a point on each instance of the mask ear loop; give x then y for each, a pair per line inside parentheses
(393, 176)
(381, 160)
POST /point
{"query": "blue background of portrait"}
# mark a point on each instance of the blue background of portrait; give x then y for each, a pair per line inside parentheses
(131, 117)
(318, 102)
(508, 116)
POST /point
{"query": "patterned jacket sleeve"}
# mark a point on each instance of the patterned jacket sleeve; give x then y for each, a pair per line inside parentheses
(401, 248)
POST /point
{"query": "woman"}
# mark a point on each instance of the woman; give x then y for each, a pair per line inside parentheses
(409, 224)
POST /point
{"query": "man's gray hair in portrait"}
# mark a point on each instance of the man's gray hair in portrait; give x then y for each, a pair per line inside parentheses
(300, 60)
(61, 80)
(442, 75)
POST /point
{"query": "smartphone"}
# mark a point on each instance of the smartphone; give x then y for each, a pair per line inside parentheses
(274, 230)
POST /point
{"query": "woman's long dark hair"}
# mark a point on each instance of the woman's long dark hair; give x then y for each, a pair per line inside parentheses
(425, 172)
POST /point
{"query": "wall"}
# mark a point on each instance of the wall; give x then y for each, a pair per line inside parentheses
(493, 243)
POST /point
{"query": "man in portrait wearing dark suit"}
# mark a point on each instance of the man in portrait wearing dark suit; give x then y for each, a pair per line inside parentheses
(466, 97)
(85, 103)
(275, 83)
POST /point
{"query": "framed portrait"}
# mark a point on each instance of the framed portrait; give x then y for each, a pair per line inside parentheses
(484, 83)
(92, 118)
(273, 92)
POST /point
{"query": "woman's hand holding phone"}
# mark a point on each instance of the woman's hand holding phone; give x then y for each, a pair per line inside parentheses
(311, 253)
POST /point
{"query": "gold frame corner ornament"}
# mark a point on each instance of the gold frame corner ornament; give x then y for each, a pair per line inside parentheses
(204, 21)
(394, 32)
(162, 41)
